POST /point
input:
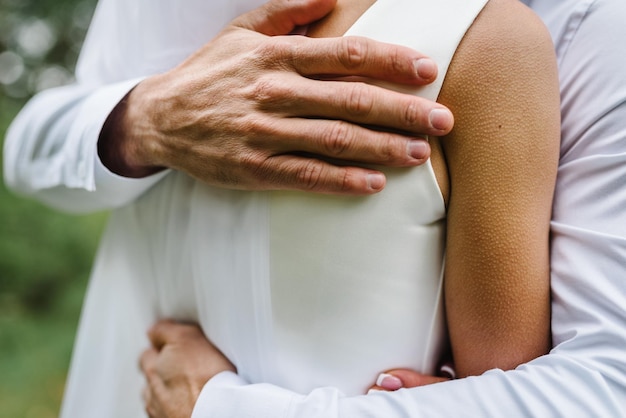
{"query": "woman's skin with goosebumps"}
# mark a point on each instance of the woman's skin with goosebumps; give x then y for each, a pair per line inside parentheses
(502, 88)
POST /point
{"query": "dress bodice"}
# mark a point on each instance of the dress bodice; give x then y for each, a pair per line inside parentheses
(330, 290)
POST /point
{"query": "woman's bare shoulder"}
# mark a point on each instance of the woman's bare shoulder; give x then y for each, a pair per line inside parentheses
(502, 77)
(506, 55)
(505, 35)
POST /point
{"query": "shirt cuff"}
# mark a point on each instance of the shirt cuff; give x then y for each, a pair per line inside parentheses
(227, 395)
(109, 188)
(121, 190)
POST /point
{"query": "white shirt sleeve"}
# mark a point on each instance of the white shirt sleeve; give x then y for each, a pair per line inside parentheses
(553, 385)
(585, 374)
(50, 150)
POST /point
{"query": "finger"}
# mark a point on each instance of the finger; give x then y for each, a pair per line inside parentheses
(158, 333)
(339, 140)
(354, 55)
(155, 387)
(151, 395)
(375, 389)
(168, 331)
(355, 102)
(313, 175)
(147, 403)
(145, 396)
(388, 381)
(280, 17)
(447, 370)
(376, 106)
(147, 361)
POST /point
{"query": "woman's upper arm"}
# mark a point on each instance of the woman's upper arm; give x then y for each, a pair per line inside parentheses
(502, 161)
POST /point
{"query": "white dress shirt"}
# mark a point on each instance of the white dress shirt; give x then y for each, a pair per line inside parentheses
(50, 153)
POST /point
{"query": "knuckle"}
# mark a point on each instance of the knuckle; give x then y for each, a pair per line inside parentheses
(387, 149)
(259, 168)
(359, 101)
(270, 91)
(412, 114)
(396, 61)
(353, 52)
(396, 65)
(337, 140)
(250, 162)
(347, 181)
(309, 175)
(277, 50)
(265, 88)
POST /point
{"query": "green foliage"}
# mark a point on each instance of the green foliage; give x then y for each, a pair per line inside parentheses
(45, 256)
(34, 356)
(39, 43)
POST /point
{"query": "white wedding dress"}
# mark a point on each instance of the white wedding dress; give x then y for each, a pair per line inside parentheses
(296, 289)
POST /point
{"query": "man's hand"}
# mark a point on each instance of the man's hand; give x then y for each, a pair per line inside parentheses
(179, 363)
(256, 109)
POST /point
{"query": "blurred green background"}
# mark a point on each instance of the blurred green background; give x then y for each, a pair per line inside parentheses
(45, 256)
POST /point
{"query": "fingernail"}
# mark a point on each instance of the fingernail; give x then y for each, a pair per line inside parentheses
(376, 181)
(447, 371)
(389, 382)
(371, 391)
(418, 149)
(426, 68)
(440, 119)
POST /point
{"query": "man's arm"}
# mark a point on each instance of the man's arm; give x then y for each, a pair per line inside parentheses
(50, 150)
(239, 113)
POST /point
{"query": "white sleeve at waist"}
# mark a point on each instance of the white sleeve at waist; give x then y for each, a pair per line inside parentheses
(50, 151)
(551, 386)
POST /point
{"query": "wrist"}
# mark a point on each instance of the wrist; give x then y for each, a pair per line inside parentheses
(125, 145)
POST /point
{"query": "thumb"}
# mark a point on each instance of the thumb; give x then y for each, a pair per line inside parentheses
(167, 331)
(159, 332)
(280, 17)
